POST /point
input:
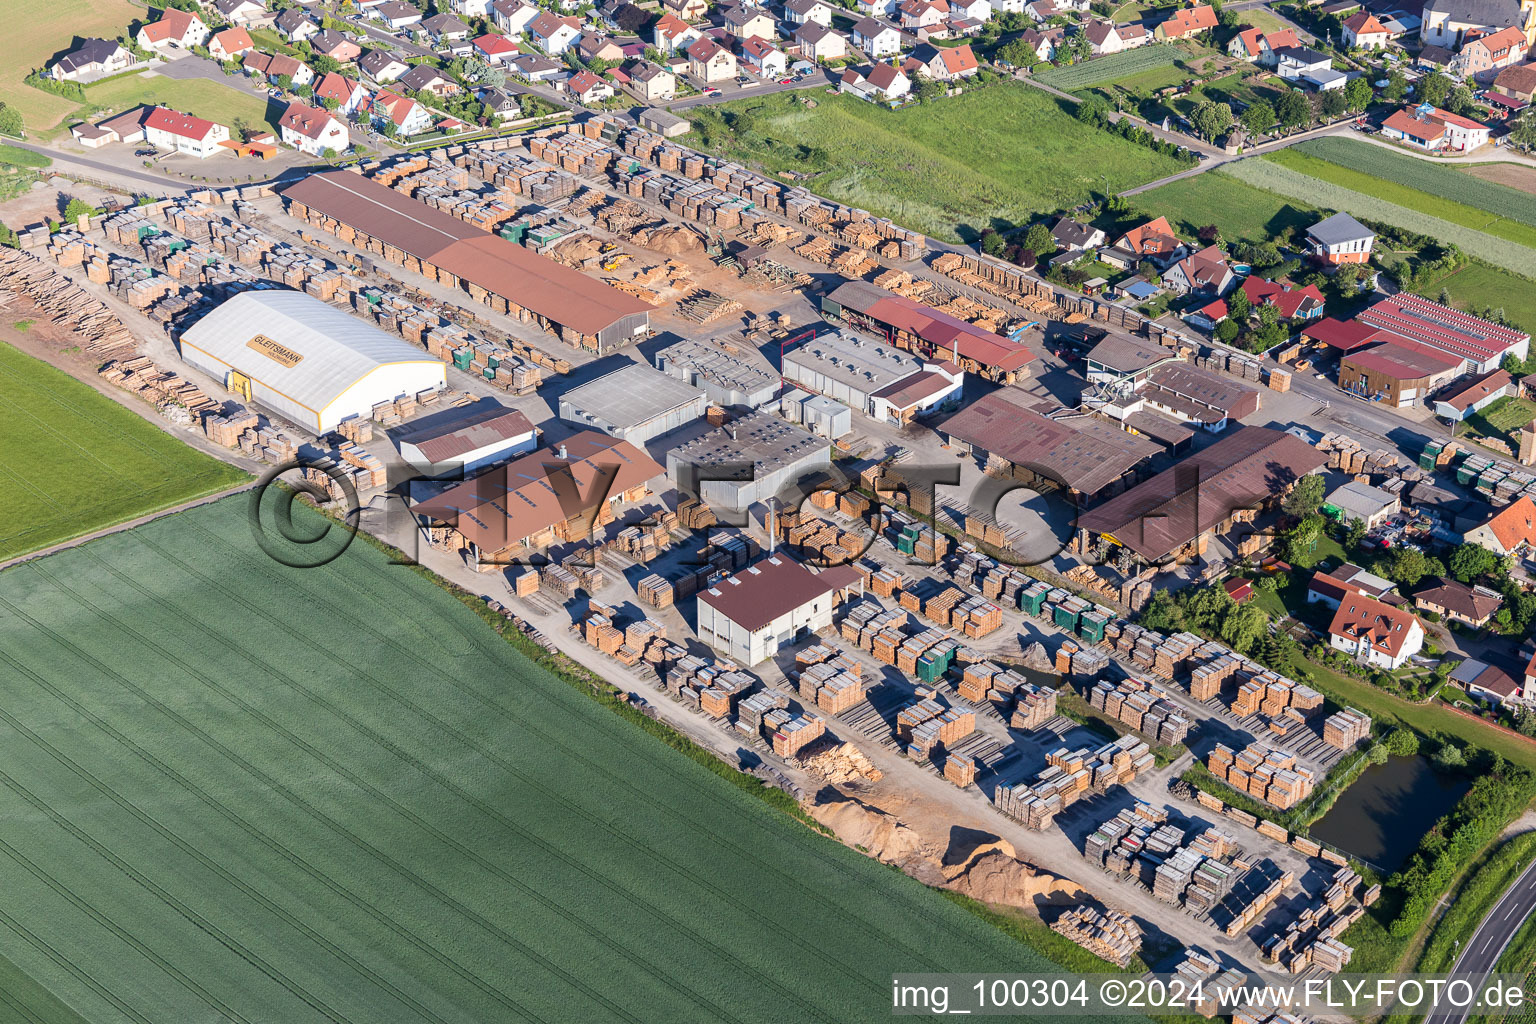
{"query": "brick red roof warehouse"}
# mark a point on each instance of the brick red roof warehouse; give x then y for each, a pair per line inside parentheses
(776, 586)
(1403, 360)
(177, 123)
(1384, 626)
(552, 290)
(938, 329)
(1441, 327)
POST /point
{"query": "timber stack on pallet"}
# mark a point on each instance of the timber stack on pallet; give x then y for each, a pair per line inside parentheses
(1265, 772)
(829, 679)
(960, 769)
(1031, 706)
(1343, 729)
(1070, 775)
(1145, 707)
(1110, 934)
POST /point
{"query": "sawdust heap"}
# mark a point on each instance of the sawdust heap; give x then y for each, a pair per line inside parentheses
(1037, 660)
(883, 836)
(841, 764)
(674, 239)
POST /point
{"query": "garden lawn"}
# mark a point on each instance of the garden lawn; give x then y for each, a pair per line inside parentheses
(1242, 211)
(214, 101)
(1434, 204)
(73, 461)
(1504, 417)
(1477, 287)
(994, 156)
(37, 31)
(15, 156)
(239, 791)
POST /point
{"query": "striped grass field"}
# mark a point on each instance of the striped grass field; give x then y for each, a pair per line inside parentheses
(238, 791)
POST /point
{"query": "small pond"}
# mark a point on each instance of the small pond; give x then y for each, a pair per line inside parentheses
(1382, 817)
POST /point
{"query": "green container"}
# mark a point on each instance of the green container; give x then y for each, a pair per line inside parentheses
(1066, 617)
(489, 373)
(931, 669)
(463, 357)
(1032, 602)
(514, 232)
(1466, 474)
(906, 545)
(147, 231)
(1091, 626)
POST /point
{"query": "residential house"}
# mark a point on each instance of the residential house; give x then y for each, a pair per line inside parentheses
(445, 28)
(1187, 21)
(800, 12)
(1107, 37)
(979, 11)
(1448, 23)
(1435, 58)
(241, 12)
(1362, 30)
(426, 78)
(1075, 236)
(1518, 82)
(877, 8)
(1304, 64)
(1483, 57)
(513, 16)
(747, 20)
(503, 105)
(93, 58)
(1042, 11)
(1375, 633)
(472, 8)
(710, 62)
(671, 33)
(1432, 129)
(1360, 502)
(1133, 34)
(1292, 303)
(408, 117)
(651, 82)
(588, 89)
(918, 15)
(335, 46)
(174, 28)
(350, 96)
(1469, 396)
(1256, 45)
(535, 67)
(278, 66)
(947, 63)
(1510, 531)
(1040, 42)
(596, 46)
(1206, 272)
(296, 25)
(876, 38)
(1348, 580)
(495, 49)
(1486, 682)
(819, 43)
(397, 14)
(1341, 239)
(227, 45)
(183, 133)
(1153, 241)
(761, 57)
(688, 10)
(1455, 601)
(878, 82)
(313, 130)
(382, 66)
(554, 34)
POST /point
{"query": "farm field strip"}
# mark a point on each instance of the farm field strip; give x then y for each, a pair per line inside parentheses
(74, 461)
(1275, 177)
(36, 30)
(1406, 196)
(1443, 180)
(1103, 70)
(1240, 210)
(333, 825)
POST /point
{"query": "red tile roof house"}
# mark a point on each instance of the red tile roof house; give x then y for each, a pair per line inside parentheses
(229, 44)
(951, 63)
(312, 130)
(1374, 632)
(879, 82)
(1206, 272)
(1466, 397)
(1293, 303)
(1187, 21)
(174, 28)
(1509, 532)
(494, 49)
(1256, 45)
(183, 133)
(1483, 57)
(408, 116)
(709, 62)
(1363, 30)
(761, 57)
(1430, 128)
(349, 95)
(278, 66)
(1154, 241)
(588, 88)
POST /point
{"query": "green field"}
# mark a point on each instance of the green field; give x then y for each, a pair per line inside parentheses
(1434, 204)
(38, 30)
(212, 100)
(15, 156)
(73, 461)
(993, 156)
(1116, 66)
(1477, 287)
(1452, 183)
(1241, 211)
(238, 791)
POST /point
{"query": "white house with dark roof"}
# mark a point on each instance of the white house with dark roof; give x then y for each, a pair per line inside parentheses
(1341, 239)
(876, 38)
(513, 16)
(92, 59)
(752, 614)
(820, 43)
(382, 66)
(241, 12)
(799, 12)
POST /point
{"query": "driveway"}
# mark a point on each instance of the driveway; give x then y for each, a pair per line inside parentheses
(186, 68)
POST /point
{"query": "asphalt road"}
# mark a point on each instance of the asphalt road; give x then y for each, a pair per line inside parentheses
(161, 182)
(1492, 937)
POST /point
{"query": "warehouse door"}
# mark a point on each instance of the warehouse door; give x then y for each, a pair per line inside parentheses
(239, 384)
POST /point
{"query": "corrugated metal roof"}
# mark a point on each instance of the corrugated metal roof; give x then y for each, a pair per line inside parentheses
(334, 349)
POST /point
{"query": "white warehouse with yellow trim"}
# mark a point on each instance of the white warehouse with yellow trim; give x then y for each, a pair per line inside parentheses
(308, 362)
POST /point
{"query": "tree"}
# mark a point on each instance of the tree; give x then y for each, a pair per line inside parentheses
(1408, 567)
(324, 65)
(1299, 543)
(1293, 110)
(1357, 93)
(1094, 110)
(1403, 742)
(1226, 331)
(1162, 613)
(328, 153)
(1355, 533)
(1460, 100)
(303, 90)
(1397, 86)
(78, 208)
(1209, 235)
(1038, 240)
(1026, 258)
(1238, 306)
(992, 243)
(1434, 88)
(1243, 626)
(1450, 755)
(330, 102)
(1471, 561)
(1259, 118)
(10, 121)
(1523, 132)
(1306, 497)
(1211, 119)
(1334, 103)
(285, 82)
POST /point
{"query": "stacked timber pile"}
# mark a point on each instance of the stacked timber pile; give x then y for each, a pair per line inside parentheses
(1343, 729)
(1348, 456)
(830, 679)
(1264, 772)
(927, 726)
(1253, 894)
(66, 303)
(1145, 707)
(1030, 706)
(160, 388)
(1069, 776)
(1110, 934)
